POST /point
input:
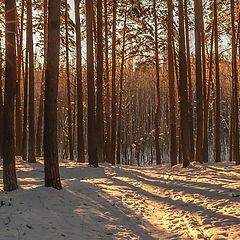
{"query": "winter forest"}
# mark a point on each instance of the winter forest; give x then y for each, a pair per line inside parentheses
(119, 119)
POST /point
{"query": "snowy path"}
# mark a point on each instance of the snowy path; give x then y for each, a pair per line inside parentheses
(201, 202)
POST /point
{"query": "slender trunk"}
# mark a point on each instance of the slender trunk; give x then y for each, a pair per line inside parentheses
(69, 109)
(114, 100)
(25, 105)
(41, 100)
(92, 142)
(80, 133)
(107, 86)
(157, 115)
(1, 99)
(185, 133)
(18, 115)
(100, 116)
(217, 99)
(199, 80)
(190, 90)
(31, 111)
(171, 82)
(235, 117)
(119, 135)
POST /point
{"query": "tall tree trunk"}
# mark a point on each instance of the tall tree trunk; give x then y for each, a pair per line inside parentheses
(183, 89)
(114, 97)
(9, 169)
(100, 116)
(31, 108)
(171, 82)
(25, 107)
(217, 89)
(18, 115)
(199, 80)
(40, 108)
(235, 117)
(190, 89)
(80, 133)
(92, 142)
(69, 109)
(119, 135)
(205, 103)
(107, 86)
(1, 99)
(157, 115)
(51, 165)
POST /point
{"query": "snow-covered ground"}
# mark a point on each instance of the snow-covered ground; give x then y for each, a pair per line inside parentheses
(200, 202)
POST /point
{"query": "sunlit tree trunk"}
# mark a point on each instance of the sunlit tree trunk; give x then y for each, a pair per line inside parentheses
(100, 116)
(1, 98)
(114, 97)
(107, 87)
(190, 88)
(119, 135)
(217, 89)
(171, 78)
(40, 108)
(185, 139)
(18, 114)
(157, 116)
(199, 80)
(9, 169)
(92, 142)
(80, 133)
(69, 109)
(235, 118)
(25, 106)
(31, 108)
(51, 165)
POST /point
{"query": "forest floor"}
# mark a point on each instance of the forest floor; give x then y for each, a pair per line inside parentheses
(123, 202)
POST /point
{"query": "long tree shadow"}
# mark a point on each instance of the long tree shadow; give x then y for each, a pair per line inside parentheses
(205, 189)
(186, 207)
(84, 209)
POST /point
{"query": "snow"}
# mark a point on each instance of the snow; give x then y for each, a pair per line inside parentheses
(123, 202)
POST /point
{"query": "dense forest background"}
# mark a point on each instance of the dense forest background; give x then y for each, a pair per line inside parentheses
(127, 82)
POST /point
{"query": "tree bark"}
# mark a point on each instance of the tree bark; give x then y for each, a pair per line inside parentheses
(100, 116)
(171, 83)
(31, 107)
(183, 89)
(51, 165)
(9, 169)
(80, 132)
(92, 142)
